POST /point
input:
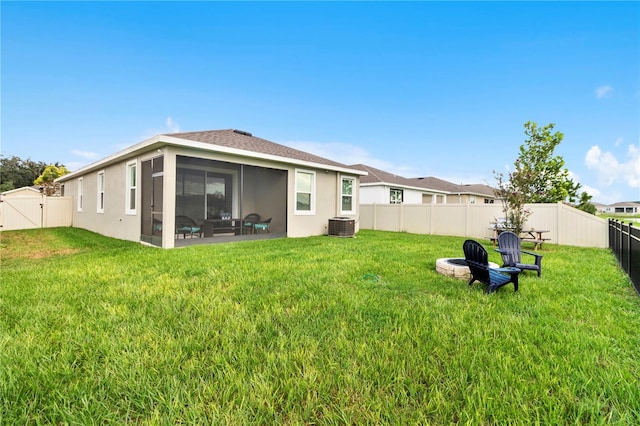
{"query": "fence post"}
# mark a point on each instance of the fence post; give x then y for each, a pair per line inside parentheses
(612, 237)
(375, 211)
(629, 264)
(619, 240)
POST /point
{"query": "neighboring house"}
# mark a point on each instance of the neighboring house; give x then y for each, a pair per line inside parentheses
(25, 191)
(382, 187)
(626, 207)
(143, 191)
(463, 193)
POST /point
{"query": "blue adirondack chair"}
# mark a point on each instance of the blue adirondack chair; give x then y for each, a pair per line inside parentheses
(478, 262)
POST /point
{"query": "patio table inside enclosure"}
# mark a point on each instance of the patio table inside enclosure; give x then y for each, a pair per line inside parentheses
(210, 192)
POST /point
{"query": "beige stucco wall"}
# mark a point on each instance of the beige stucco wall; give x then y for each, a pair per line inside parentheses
(327, 204)
(114, 222)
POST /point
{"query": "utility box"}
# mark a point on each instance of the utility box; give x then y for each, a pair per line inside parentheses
(342, 227)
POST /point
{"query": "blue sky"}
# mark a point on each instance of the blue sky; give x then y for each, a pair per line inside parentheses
(417, 88)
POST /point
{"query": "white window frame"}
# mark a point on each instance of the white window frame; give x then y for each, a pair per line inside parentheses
(352, 195)
(131, 194)
(312, 202)
(100, 192)
(391, 199)
(80, 194)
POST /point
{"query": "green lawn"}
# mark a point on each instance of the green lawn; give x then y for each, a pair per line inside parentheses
(308, 331)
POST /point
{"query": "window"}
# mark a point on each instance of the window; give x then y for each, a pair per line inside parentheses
(100, 199)
(305, 192)
(132, 186)
(80, 194)
(395, 196)
(472, 199)
(346, 205)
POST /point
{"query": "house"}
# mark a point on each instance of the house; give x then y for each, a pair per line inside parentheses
(626, 207)
(380, 187)
(463, 193)
(213, 179)
(25, 191)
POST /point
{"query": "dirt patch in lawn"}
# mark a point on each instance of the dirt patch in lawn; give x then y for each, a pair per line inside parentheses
(36, 245)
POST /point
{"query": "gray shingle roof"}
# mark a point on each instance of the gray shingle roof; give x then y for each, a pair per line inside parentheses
(443, 185)
(435, 183)
(377, 175)
(238, 139)
(625, 204)
(428, 183)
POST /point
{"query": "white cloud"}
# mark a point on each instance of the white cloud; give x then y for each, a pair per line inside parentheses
(634, 167)
(594, 192)
(604, 91)
(347, 154)
(172, 125)
(74, 165)
(610, 170)
(352, 154)
(85, 154)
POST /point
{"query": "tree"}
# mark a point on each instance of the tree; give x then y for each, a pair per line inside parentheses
(585, 204)
(513, 201)
(543, 176)
(48, 177)
(17, 173)
(538, 176)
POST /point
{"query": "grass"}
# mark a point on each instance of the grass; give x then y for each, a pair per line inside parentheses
(308, 331)
(621, 217)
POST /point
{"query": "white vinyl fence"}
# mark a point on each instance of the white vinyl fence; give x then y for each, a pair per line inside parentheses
(37, 211)
(566, 225)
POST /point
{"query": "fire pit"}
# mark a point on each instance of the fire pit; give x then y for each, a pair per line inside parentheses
(456, 267)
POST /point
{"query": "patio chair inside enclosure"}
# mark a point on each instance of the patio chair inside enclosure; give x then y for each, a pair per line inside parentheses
(250, 220)
(185, 225)
(509, 246)
(262, 226)
(478, 262)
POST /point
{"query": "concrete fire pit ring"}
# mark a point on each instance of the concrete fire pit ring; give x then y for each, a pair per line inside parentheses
(456, 267)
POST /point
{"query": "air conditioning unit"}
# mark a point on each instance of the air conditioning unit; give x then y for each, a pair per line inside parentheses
(342, 227)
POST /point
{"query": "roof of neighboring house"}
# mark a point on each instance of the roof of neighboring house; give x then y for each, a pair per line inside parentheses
(27, 189)
(625, 204)
(474, 189)
(227, 141)
(380, 176)
(480, 189)
(433, 184)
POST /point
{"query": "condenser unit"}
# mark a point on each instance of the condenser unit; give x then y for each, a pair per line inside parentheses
(342, 227)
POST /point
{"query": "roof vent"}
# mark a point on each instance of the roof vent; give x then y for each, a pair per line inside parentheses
(241, 132)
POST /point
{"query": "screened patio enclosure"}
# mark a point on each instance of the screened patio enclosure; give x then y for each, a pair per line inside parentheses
(224, 199)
